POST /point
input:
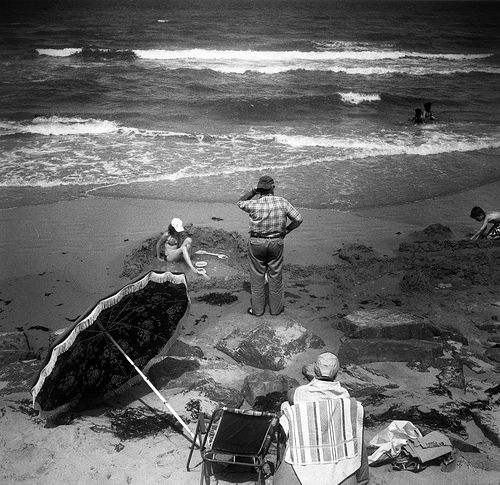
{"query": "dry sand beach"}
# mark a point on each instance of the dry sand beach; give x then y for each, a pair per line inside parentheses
(58, 259)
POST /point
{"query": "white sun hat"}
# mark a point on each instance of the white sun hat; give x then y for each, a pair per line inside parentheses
(177, 224)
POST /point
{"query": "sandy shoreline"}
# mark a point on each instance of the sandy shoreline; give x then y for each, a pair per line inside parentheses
(58, 259)
(83, 242)
(33, 237)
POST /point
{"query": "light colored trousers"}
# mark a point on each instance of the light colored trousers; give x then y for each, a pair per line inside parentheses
(266, 256)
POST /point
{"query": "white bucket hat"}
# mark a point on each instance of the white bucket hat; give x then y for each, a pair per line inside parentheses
(177, 224)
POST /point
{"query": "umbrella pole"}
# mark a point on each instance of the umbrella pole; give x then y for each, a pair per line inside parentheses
(149, 383)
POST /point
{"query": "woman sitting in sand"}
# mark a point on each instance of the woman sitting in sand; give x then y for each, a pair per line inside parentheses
(175, 251)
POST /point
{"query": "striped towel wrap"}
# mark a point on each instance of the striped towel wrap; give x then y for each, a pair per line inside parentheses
(324, 432)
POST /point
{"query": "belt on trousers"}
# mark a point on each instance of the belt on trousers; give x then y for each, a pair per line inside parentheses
(259, 236)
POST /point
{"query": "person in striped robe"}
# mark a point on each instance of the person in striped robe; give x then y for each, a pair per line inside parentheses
(324, 426)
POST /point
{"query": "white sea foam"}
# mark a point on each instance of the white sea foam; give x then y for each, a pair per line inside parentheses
(355, 71)
(354, 61)
(86, 160)
(353, 46)
(203, 54)
(66, 52)
(397, 144)
(207, 54)
(357, 98)
(342, 45)
(61, 126)
(251, 55)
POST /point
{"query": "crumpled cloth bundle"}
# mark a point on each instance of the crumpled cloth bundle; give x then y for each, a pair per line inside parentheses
(402, 439)
(391, 439)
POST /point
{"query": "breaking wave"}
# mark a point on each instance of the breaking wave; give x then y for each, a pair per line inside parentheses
(61, 126)
(353, 61)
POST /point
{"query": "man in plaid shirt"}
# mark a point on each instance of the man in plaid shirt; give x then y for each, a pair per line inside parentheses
(268, 216)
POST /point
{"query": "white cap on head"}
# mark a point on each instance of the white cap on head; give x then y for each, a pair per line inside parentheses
(177, 224)
(327, 365)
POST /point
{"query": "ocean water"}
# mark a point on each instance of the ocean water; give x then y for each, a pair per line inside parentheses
(195, 99)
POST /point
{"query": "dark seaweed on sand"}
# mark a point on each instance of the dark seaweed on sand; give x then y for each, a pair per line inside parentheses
(374, 399)
(432, 420)
(25, 407)
(135, 424)
(193, 407)
(39, 327)
(439, 391)
(217, 298)
(493, 390)
(270, 402)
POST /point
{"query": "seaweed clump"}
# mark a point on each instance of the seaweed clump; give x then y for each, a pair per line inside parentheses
(271, 402)
(134, 424)
(194, 407)
(433, 420)
(374, 399)
(217, 298)
(26, 408)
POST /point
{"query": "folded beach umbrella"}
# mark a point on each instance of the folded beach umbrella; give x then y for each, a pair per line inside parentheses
(113, 344)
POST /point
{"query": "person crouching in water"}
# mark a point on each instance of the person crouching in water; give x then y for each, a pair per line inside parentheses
(419, 117)
(428, 113)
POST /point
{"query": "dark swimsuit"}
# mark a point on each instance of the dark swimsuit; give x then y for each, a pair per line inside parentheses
(494, 232)
(171, 244)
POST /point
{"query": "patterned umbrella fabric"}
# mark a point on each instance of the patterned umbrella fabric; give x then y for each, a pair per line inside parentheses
(84, 366)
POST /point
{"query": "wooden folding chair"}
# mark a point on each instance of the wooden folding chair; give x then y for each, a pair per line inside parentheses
(234, 437)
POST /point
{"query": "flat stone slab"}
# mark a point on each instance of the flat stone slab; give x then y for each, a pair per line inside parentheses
(174, 372)
(381, 323)
(365, 351)
(218, 381)
(489, 422)
(493, 354)
(260, 384)
(360, 381)
(14, 347)
(478, 363)
(269, 347)
(183, 349)
(18, 377)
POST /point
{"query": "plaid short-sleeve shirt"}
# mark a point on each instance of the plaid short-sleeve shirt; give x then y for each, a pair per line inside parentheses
(269, 214)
